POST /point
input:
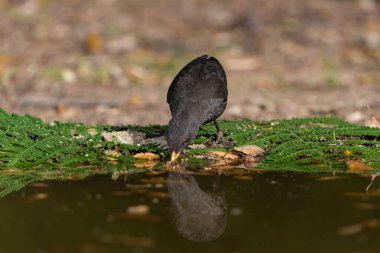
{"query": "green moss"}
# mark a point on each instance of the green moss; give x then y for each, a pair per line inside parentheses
(31, 150)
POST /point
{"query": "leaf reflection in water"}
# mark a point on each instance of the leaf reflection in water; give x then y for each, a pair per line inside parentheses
(196, 215)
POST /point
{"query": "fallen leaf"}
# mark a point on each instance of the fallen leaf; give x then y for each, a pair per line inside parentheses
(135, 100)
(111, 155)
(252, 150)
(94, 43)
(356, 166)
(112, 152)
(146, 156)
(374, 123)
(4, 62)
(224, 155)
(92, 131)
(60, 108)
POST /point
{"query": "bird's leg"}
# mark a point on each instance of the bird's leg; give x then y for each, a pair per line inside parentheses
(220, 138)
(219, 133)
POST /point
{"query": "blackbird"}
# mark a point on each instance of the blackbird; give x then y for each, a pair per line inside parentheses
(197, 95)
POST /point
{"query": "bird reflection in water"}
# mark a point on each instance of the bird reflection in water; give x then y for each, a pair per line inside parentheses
(197, 215)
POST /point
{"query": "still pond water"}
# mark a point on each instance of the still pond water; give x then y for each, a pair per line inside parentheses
(258, 212)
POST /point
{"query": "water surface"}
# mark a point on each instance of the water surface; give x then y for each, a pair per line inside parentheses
(194, 212)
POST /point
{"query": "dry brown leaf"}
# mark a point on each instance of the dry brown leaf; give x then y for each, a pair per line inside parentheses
(112, 152)
(374, 123)
(135, 100)
(92, 131)
(60, 108)
(94, 43)
(146, 156)
(252, 150)
(356, 166)
(4, 62)
(224, 155)
(112, 155)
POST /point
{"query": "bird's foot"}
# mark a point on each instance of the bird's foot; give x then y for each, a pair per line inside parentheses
(220, 141)
(219, 136)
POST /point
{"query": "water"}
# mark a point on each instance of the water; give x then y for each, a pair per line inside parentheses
(202, 212)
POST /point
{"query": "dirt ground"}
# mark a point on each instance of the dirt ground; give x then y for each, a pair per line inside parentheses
(112, 61)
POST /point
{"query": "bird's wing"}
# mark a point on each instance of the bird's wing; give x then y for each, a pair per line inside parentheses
(179, 88)
(209, 84)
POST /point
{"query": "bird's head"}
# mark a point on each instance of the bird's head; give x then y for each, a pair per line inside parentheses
(181, 133)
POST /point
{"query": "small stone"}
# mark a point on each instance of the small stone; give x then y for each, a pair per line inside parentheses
(69, 76)
(355, 117)
(196, 146)
(125, 137)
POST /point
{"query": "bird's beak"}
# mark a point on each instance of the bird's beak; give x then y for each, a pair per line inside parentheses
(174, 156)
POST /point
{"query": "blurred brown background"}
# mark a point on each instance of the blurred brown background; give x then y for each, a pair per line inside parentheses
(112, 61)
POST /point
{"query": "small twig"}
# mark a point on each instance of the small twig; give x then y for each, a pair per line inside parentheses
(372, 179)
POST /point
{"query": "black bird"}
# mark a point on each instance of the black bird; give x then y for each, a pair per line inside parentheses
(197, 95)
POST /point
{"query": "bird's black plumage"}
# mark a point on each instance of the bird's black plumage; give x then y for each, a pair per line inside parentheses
(197, 95)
